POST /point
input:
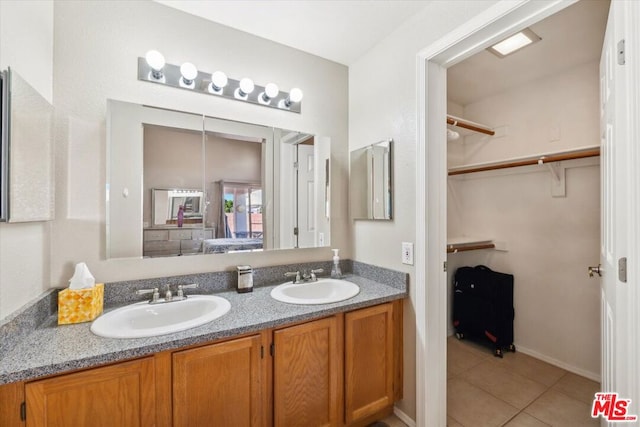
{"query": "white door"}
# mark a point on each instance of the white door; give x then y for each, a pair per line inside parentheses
(306, 196)
(618, 321)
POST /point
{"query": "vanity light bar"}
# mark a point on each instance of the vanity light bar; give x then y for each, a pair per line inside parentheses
(199, 81)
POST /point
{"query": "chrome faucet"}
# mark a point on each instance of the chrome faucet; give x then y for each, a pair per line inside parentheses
(305, 276)
(168, 297)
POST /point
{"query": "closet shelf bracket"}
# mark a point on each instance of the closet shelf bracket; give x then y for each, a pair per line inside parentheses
(558, 179)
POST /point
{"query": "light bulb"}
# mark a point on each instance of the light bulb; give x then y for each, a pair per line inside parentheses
(219, 80)
(189, 73)
(246, 87)
(155, 60)
(295, 95)
(271, 90)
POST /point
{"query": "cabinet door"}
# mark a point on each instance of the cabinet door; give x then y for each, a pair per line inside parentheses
(119, 395)
(219, 385)
(307, 374)
(369, 364)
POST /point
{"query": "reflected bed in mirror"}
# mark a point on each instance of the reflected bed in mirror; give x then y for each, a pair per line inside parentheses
(242, 187)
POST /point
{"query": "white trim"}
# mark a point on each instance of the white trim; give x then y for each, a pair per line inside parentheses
(404, 417)
(632, 46)
(560, 364)
(496, 22)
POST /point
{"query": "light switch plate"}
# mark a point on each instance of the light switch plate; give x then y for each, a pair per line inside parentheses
(407, 253)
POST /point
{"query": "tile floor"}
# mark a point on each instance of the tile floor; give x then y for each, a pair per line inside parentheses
(516, 391)
(391, 421)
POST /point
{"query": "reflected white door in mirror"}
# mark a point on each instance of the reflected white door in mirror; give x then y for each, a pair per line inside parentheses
(181, 183)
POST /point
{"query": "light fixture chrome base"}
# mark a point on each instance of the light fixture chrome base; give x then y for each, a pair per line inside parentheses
(202, 83)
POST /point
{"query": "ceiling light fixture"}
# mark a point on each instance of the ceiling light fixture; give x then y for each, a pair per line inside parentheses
(514, 43)
(152, 68)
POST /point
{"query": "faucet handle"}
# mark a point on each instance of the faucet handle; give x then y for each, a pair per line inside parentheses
(314, 272)
(181, 287)
(155, 293)
(292, 274)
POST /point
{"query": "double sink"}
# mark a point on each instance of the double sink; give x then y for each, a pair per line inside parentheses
(142, 319)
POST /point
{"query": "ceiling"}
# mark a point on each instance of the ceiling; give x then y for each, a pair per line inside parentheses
(571, 37)
(344, 30)
(338, 30)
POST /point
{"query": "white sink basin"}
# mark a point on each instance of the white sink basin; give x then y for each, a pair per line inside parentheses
(147, 320)
(324, 291)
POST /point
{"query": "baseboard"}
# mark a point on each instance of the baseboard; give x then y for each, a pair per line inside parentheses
(403, 417)
(567, 367)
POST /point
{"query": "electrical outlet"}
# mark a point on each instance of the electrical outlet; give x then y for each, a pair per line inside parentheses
(407, 253)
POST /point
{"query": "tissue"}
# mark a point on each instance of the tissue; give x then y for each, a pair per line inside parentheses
(83, 300)
(82, 278)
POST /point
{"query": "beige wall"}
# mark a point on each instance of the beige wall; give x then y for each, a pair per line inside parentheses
(383, 104)
(26, 45)
(550, 241)
(96, 50)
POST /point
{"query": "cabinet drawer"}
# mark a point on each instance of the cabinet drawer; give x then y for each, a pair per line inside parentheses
(162, 245)
(179, 234)
(201, 234)
(152, 235)
(189, 246)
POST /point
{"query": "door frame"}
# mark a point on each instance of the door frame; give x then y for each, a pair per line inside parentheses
(494, 24)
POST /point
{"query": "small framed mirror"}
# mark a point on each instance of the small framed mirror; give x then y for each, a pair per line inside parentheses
(370, 183)
(166, 204)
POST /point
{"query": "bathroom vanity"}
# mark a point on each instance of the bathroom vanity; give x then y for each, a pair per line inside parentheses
(265, 363)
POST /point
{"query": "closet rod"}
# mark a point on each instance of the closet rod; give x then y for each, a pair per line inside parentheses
(462, 123)
(591, 152)
(454, 248)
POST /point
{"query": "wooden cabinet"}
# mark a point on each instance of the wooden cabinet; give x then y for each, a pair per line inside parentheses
(117, 395)
(343, 370)
(369, 361)
(307, 374)
(220, 385)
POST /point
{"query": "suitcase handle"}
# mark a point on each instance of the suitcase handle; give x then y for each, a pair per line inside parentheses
(483, 267)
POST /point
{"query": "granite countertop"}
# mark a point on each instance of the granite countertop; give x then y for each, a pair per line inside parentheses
(52, 349)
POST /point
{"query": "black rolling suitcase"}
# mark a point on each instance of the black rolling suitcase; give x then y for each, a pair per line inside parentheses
(483, 306)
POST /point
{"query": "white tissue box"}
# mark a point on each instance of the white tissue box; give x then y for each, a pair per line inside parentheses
(80, 305)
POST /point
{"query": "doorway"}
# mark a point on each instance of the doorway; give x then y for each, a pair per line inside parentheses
(495, 24)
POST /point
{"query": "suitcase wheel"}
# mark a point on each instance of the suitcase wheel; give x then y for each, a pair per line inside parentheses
(459, 335)
(512, 348)
(498, 353)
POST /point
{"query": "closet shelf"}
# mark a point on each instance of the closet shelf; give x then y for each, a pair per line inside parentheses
(467, 124)
(526, 161)
(461, 244)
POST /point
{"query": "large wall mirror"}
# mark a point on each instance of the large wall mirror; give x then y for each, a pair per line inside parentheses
(185, 184)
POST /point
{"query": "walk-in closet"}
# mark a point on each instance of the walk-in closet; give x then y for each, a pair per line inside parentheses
(524, 199)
